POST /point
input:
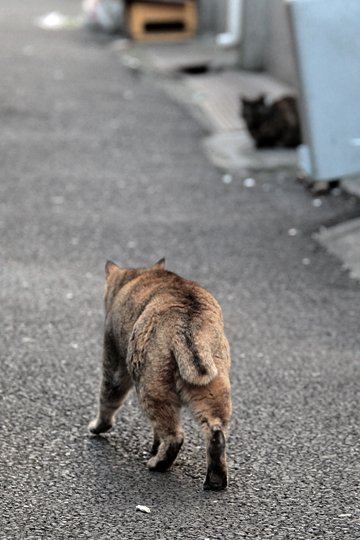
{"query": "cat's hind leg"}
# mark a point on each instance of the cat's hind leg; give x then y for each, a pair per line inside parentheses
(216, 474)
(164, 414)
(115, 385)
(170, 443)
(211, 406)
(156, 444)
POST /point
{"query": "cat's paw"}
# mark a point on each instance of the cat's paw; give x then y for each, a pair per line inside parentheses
(97, 426)
(215, 481)
(154, 464)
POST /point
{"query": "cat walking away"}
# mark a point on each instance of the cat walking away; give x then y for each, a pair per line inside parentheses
(165, 336)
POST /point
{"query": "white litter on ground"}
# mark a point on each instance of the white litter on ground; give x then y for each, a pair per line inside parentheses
(57, 21)
(144, 509)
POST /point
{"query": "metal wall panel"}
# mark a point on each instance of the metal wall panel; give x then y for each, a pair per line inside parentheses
(326, 35)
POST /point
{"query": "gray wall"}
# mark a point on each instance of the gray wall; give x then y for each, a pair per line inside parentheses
(212, 16)
(254, 34)
(266, 40)
(279, 56)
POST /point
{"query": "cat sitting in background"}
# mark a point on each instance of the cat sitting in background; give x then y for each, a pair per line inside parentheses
(272, 124)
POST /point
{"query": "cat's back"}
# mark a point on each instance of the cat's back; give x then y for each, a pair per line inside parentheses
(286, 109)
(160, 291)
(177, 320)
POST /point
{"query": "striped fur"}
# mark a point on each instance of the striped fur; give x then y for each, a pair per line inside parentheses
(165, 335)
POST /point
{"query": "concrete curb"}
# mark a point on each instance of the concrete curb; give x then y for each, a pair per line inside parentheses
(351, 186)
(234, 150)
(343, 241)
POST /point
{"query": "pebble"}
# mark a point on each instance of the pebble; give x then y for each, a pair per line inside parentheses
(27, 339)
(57, 199)
(249, 182)
(317, 203)
(28, 50)
(58, 75)
(227, 179)
(128, 95)
(131, 62)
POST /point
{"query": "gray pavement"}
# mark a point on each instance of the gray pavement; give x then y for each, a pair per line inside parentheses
(98, 162)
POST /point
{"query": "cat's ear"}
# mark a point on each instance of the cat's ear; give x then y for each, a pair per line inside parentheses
(110, 267)
(160, 265)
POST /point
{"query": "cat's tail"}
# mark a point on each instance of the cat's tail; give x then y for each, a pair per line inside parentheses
(195, 362)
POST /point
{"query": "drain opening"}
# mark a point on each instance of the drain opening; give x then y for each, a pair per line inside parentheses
(196, 69)
(174, 26)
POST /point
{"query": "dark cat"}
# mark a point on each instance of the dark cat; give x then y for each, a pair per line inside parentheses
(272, 124)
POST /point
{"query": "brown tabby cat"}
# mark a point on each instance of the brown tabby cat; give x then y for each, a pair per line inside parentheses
(274, 124)
(165, 335)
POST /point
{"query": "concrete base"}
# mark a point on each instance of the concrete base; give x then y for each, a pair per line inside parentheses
(344, 241)
(168, 58)
(352, 186)
(219, 94)
(234, 150)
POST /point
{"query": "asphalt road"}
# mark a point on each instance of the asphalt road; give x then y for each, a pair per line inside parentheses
(97, 163)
